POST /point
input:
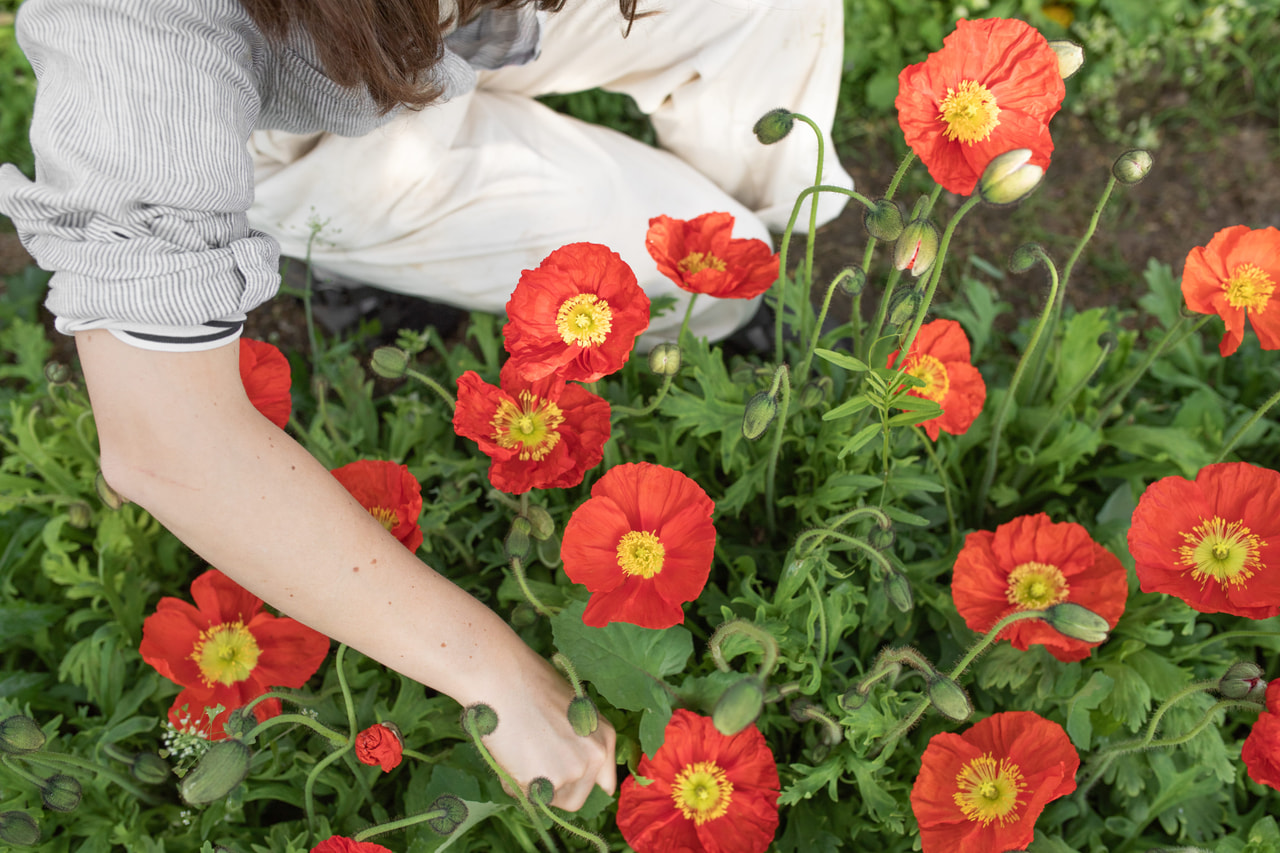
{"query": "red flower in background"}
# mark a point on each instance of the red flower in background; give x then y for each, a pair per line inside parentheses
(981, 791)
(265, 373)
(1261, 750)
(992, 88)
(1215, 542)
(578, 314)
(642, 544)
(709, 793)
(1235, 277)
(227, 651)
(1031, 563)
(701, 256)
(341, 844)
(940, 358)
(543, 434)
(380, 745)
(391, 494)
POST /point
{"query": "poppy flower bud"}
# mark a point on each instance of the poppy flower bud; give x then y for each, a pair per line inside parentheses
(583, 716)
(149, 768)
(110, 498)
(380, 745)
(454, 814)
(224, 766)
(1070, 56)
(541, 525)
(517, 542)
(239, 723)
(20, 734)
(898, 590)
(482, 717)
(762, 408)
(883, 220)
(1132, 166)
(19, 829)
(389, 362)
(664, 359)
(917, 247)
(815, 393)
(79, 515)
(542, 791)
(57, 373)
(61, 793)
(773, 126)
(949, 699)
(738, 707)
(881, 538)
(853, 280)
(1243, 681)
(853, 698)
(1025, 257)
(903, 306)
(1009, 177)
(1077, 622)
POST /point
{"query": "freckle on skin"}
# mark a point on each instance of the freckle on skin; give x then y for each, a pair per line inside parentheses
(355, 568)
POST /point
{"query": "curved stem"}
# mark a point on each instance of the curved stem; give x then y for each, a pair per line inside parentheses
(823, 651)
(433, 385)
(684, 324)
(1244, 427)
(629, 411)
(841, 520)
(870, 550)
(802, 375)
(936, 274)
(517, 570)
(768, 645)
(882, 313)
(855, 314)
(813, 205)
(573, 829)
(298, 720)
(346, 690)
(953, 530)
(1126, 385)
(391, 826)
(508, 781)
(308, 789)
(780, 428)
(56, 759)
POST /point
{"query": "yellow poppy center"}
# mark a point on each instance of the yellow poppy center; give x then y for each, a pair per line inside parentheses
(640, 553)
(1035, 586)
(988, 790)
(386, 517)
(584, 320)
(1220, 550)
(226, 653)
(702, 792)
(1249, 287)
(531, 426)
(929, 370)
(696, 262)
(969, 111)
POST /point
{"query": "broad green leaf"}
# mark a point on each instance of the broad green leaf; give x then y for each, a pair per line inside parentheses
(1079, 350)
(1079, 725)
(840, 359)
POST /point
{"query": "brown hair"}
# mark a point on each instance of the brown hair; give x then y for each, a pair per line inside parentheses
(383, 45)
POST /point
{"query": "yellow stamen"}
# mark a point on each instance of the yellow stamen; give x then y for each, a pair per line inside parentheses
(696, 262)
(584, 320)
(933, 373)
(225, 653)
(969, 112)
(531, 426)
(640, 553)
(1226, 552)
(1035, 586)
(702, 792)
(386, 517)
(988, 790)
(1249, 287)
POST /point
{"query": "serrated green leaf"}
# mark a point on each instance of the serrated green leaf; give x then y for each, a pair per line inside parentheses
(1079, 725)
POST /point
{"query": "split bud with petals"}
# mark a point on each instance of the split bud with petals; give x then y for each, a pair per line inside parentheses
(1243, 680)
(1070, 56)
(884, 220)
(949, 699)
(224, 766)
(61, 793)
(389, 362)
(19, 735)
(19, 829)
(774, 125)
(1009, 178)
(761, 409)
(664, 359)
(1077, 622)
(739, 706)
(1132, 166)
(917, 247)
(453, 814)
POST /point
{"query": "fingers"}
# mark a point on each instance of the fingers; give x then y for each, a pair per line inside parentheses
(599, 769)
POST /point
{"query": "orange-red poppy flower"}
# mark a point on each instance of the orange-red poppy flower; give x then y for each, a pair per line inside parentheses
(543, 434)
(391, 494)
(1215, 542)
(1236, 276)
(939, 357)
(380, 745)
(708, 793)
(342, 844)
(701, 256)
(981, 791)
(1261, 750)
(578, 314)
(265, 373)
(642, 544)
(1031, 563)
(226, 650)
(992, 88)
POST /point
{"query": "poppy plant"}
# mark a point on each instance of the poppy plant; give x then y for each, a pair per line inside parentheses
(541, 434)
(1032, 563)
(342, 844)
(642, 544)
(1235, 277)
(939, 357)
(708, 793)
(1261, 749)
(578, 314)
(701, 256)
(380, 745)
(1214, 542)
(992, 88)
(391, 494)
(226, 650)
(981, 791)
(265, 373)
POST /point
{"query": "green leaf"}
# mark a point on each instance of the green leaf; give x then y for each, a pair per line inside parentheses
(1079, 725)
(849, 407)
(1079, 350)
(653, 729)
(839, 359)
(21, 619)
(863, 436)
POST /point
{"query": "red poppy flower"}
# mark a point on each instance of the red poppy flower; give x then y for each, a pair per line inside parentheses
(341, 844)
(981, 791)
(709, 793)
(992, 88)
(1031, 563)
(1235, 276)
(578, 314)
(1215, 542)
(543, 434)
(701, 256)
(1261, 750)
(265, 373)
(940, 358)
(391, 494)
(642, 544)
(380, 745)
(226, 650)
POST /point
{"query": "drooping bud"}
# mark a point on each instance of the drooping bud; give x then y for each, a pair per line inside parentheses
(79, 515)
(517, 542)
(224, 766)
(883, 220)
(110, 498)
(541, 525)
(854, 698)
(19, 829)
(664, 359)
(149, 768)
(61, 793)
(949, 699)
(57, 373)
(917, 247)
(903, 307)
(480, 717)
(898, 590)
(762, 408)
(583, 716)
(1070, 56)
(1009, 177)
(455, 813)
(1025, 257)
(389, 362)
(542, 791)
(1132, 166)
(1243, 680)
(773, 126)
(853, 280)
(880, 537)
(738, 707)
(815, 393)
(20, 734)
(1077, 622)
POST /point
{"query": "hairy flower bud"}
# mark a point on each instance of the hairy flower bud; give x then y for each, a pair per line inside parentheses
(389, 362)
(949, 699)
(455, 814)
(883, 220)
(881, 538)
(19, 829)
(664, 359)
(57, 373)
(480, 716)
(738, 707)
(20, 734)
(110, 498)
(583, 716)
(853, 280)
(773, 126)
(61, 793)
(1077, 622)
(762, 408)
(917, 247)
(541, 525)
(149, 768)
(1132, 166)
(853, 698)
(1025, 257)
(898, 590)
(1009, 177)
(79, 515)
(903, 306)
(541, 790)
(517, 542)
(1243, 680)
(1070, 56)
(814, 393)
(224, 766)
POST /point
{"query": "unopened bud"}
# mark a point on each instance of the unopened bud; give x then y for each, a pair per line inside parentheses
(389, 362)
(583, 716)
(917, 247)
(455, 814)
(541, 526)
(80, 515)
(1070, 56)
(57, 373)
(523, 615)
(854, 698)
(239, 723)
(517, 542)
(1025, 257)
(224, 766)
(542, 791)
(61, 793)
(853, 280)
(664, 359)
(738, 707)
(110, 498)
(1243, 681)
(1132, 166)
(20, 734)
(149, 768)
(1077, 622)
(480, 717)
(762, 408)
(949, 699)
(883, 220)
(881, 538)
(1009, 177)
(814, 393)
(903, 307)
(898, 590)
(773, 126)
(19, 829)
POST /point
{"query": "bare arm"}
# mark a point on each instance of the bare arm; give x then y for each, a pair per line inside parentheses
(180, 438)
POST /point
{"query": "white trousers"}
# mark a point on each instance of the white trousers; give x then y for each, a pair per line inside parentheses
(452, 202)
